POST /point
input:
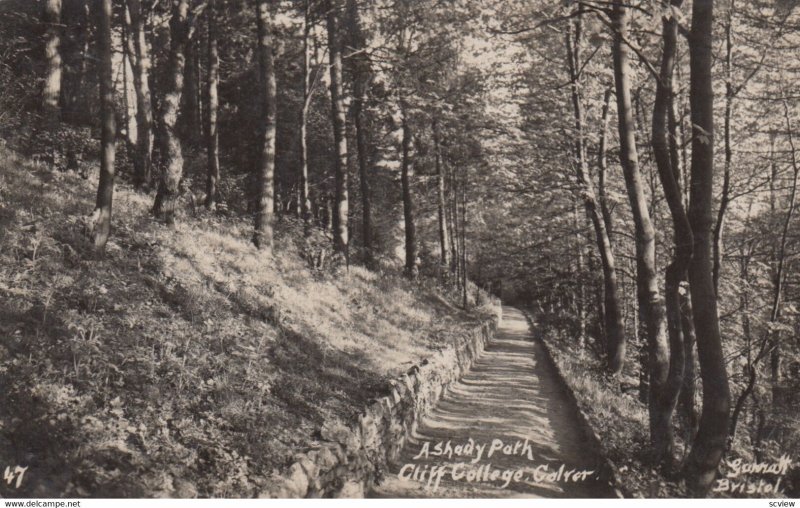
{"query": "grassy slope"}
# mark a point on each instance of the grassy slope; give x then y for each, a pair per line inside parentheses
(183, 361)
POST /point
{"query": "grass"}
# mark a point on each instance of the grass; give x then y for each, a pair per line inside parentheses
(182, 362)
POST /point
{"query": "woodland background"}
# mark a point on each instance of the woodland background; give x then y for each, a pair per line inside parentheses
(309, 194)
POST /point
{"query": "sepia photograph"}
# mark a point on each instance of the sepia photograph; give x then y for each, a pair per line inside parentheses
(265, 250)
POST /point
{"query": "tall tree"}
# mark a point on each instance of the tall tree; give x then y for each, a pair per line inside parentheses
(451, 210)
(308, 90)
(441, 199)
(667, 159)
(143, 158)
(602, 163)
(341, 212)
(191, 114)
(51, 93)
(170, 143)
(724, 201)
(212, 106)
(105, 188)
(406, 174)
(463, 240)
(651, 304)
(73, 90)
(263, 237)
(613, 325)
(709, 445)
(362, 75)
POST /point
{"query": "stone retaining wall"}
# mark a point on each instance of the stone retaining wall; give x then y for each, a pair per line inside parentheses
(348, 459)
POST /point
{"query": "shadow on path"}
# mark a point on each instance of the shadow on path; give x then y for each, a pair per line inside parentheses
(511, 394)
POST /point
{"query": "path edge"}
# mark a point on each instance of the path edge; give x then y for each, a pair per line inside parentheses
(610, 470)
(349, 459)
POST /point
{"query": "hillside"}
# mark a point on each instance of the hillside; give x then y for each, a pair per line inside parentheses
(182, 362)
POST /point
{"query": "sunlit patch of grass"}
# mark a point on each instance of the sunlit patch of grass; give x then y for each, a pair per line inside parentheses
(183, 361)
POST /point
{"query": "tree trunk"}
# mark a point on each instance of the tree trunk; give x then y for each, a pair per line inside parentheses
(127, 58)
(709, 445)
(602, 166)
(363, 170)
(265, 201)
(726, 174)
(171, 152)
(328, 214)
(304, 197)
(190, 116)
(212, 101)
(463, 246)
(361, 82)
(452, 218)
(407, 173)
(600, 217)
(677, 146)
(340, 217)
(651, 305)
(580, 293)
(73, 92)
(143, 157)
(444, 234)
(688, 390)
(667, 161)
(51, 93)
(105, 188)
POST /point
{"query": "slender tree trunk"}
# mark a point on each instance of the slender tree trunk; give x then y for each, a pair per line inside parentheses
(602, 165)
(407, 173)
(265, 202)
(666, 157)
(463, 247)
(73, 93)
(329, 214)
(452, 218)
(726, 174)
(361, 82)
(651, 304)
(127, 57)
(105, 188)
(599, 216)
(143, 157)
(340, 217)
(212, 101)
(363, 170)
(677, 149)
(444, 234)
(580, 294)
(51, 18)
(710, 443)
(191, 118)
(171, 151)
(750, 366)
(688, 390)
(305, 198)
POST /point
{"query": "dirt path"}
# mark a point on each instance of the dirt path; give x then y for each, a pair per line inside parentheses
(511, 394)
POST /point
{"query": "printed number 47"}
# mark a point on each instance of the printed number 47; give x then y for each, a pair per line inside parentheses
(18, 472)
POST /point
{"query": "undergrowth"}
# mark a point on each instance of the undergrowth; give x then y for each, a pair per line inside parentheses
(618, 417)
(183, 362)
(620, 420)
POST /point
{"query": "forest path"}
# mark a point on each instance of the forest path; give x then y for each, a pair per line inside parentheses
(512, 393)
